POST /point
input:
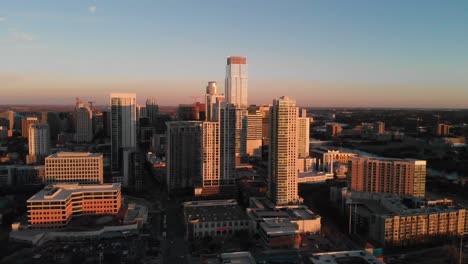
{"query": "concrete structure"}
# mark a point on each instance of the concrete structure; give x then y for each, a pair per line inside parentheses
(21, 175)
(282, 160)
(237, 258)
(342, 257)
(10, 116)
(55, 205)
(398, 176)
(184, 154)
(123, 126)
(330, 160)
(188, 112)
(74, 167)
(39, 143)
(265, 112)
(278, 233)
(390, 219)
(132, 169)
(211, 160)
(314, 177)
(303, 136)
(214, 218)
(83, 123)
(26, 123)
(236, 81)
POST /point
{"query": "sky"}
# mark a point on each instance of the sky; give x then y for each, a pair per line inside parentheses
(366, 53)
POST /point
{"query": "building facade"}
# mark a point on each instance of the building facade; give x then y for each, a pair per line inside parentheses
(83, 123)
(26, 123)
(398, 176)
(237, 81)
(74, 167)
(303, 137)
(283, 151)
(38, 142)
(123, 126)
(55, 205)
(212, 99)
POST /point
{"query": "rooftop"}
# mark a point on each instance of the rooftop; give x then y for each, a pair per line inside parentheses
(279, 227)
(64, 154)
(213, 210)
(345, 257)
(63, 191)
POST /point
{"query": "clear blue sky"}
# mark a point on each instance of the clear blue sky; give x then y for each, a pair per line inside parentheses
(327, 46)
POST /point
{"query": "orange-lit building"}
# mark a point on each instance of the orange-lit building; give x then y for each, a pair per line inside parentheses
(443, 130)
(55, 205)
(333, 130)
(398, 176)
(25, 123)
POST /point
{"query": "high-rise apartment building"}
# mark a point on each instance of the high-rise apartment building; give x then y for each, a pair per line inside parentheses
(183, 154)
(212, 102)
(303, 136)
(74, 167)
(228, 132)
(123, 126)
(282, 171)
(443, 129)
(397, 176)
(39, 143)
(237, 81)
(252, 134)
(83, 123)
(333, 130)
(211, 169)
(26, 123)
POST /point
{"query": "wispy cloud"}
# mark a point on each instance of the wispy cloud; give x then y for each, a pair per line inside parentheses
(3, 19)
(92, 9)
(22, 36)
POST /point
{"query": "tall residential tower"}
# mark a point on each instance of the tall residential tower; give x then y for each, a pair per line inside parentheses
(237, 81)
(282, 160)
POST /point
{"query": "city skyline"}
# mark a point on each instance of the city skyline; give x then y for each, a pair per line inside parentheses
(369, 54)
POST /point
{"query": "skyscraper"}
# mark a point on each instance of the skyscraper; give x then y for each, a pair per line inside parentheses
(212, 97)
(252, 134)
(39, 143)
(83, 123)
(303, 136)
(398, 176)
(123, 126)
(152, 109)
(228, 142)
(282, 183)
(237, 81)
(25, 123)
(211, 155)
(183, 154)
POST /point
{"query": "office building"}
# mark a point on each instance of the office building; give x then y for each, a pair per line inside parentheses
(236, 81)
(123, 126)
(188, 112)
(184, 154)
(390, 219)
(25, 123)
(10, 116)
(55, 205)
(21, 175)
(132, 169)
(283, 151)
(83, 123)
(303, 136)
(212, 99)
(214, 218)
(38, 142)
(74, 167)
(152, 110)
(386, 175)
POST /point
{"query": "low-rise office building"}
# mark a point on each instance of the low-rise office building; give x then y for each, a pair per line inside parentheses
(21, 175)
(214, 218)
(74, 167)
(356, 256)
(55, 205)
